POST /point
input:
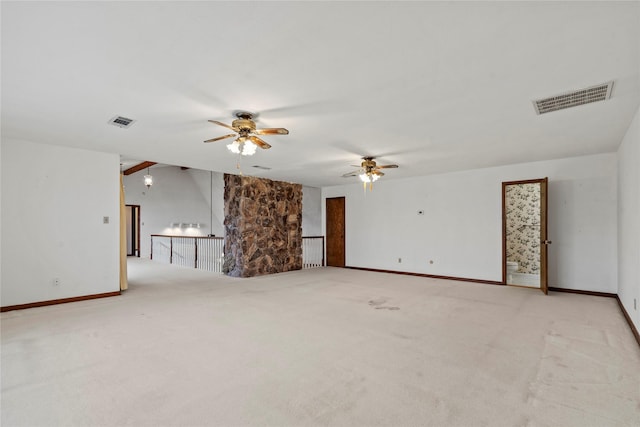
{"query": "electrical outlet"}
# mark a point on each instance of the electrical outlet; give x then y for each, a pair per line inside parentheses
(399, 260)
(56, 281)
(105, 220)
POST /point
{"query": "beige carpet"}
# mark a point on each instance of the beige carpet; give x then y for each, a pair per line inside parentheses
(319, 347)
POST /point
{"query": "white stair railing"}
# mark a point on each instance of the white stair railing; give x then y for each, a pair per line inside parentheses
(313, 251)
(204, 253)
(207, 253)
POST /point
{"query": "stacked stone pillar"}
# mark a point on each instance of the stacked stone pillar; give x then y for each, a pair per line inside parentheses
(263, 226)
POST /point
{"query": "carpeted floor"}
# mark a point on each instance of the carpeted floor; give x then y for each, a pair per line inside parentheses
(319, 347)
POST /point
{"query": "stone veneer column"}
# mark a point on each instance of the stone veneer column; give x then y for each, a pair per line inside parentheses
(263, 226)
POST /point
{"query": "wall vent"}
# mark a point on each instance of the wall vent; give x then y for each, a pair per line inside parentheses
(573, 99)
(122, 122)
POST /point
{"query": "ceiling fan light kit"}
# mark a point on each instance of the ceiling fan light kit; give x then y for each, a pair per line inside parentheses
(368, 177)
(243, 146)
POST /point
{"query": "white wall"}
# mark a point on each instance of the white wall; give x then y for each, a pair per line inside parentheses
(53, 203)
(177, 196)
(461, 229)
(629, 221)
(311, 211)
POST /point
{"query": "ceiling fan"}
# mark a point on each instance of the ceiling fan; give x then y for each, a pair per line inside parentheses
(247, 135)
(369, 171)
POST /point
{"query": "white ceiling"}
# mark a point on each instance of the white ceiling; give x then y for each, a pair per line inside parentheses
(431, 86)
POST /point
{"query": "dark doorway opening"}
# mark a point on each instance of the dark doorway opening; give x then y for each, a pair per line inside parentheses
(133, 230)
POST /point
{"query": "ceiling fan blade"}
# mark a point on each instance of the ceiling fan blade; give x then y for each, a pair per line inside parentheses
(377, 172)
(273, 131)
(387, 166)
(223, 125)
(350, 174)
(259, 142)
(220, 137)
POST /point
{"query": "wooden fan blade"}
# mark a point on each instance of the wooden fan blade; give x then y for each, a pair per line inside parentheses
(259, 142)
(223, 125)
(220, 137)
(386, 166)
(350, 174)
(272, 131)
(377, 172)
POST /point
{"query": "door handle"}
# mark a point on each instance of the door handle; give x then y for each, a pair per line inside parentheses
(546, 242)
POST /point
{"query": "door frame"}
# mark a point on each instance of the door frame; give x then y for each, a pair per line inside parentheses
(544, 286)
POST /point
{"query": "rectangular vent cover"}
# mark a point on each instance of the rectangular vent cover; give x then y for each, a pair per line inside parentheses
(122, 122)
(573, 99)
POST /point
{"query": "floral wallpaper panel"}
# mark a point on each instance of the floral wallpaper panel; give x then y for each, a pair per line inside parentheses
(523, 226)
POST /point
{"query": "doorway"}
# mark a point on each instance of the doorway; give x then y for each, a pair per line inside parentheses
(524, 233)
(133, 230)
(335, 231)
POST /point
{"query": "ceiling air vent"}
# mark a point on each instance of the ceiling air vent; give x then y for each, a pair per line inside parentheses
(573, 99)
(122, 122)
